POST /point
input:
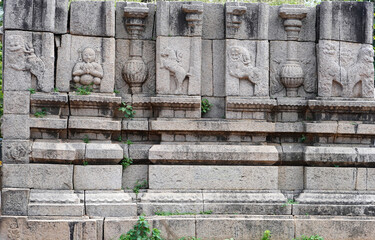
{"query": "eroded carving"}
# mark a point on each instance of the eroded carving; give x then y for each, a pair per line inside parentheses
(87, 71)
(21, 57)
(240, 66)
(194, 18)
(14, 231)
(234, 18)
(170, 60)
(16, 152)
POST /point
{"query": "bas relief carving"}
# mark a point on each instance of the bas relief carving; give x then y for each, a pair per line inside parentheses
(171, 61)
(87, 71)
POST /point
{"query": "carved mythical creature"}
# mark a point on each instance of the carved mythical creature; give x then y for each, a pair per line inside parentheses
(361, 74)
(240, 67)
(21, 57)
(171, 61)
(330, 73)
(88, 71)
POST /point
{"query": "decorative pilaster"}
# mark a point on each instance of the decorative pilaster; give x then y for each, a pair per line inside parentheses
(194, 18)
(234, 19)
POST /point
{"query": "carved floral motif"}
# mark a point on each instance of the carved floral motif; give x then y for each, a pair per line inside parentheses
(15, 151)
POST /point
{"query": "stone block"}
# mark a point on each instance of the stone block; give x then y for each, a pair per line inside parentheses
(50, 122)
(29, 61)
(70, 60)
(331, 155)
(57, 152)
(207, 79)
(354, 228)
(174, 228)
(292, 152)
(148, 49)
(133, 175)
(96, 123)
(92, 18)
(276, 30)
(135, 124)
(330, 178)
(38, 176)
(14, 201)
(290, 178)
(368, 175)
(35, 15)
(104, 153)
(329, 127)
(247, 20)
(56, 203)
(98, 177)
(217, 110)
(15, 151)
(306, 57)
(366, 156)
(114, 227)
(148, 33)
(15, 126)
(139, 151)
(344, 69)
(49, 228)
(349, 21)
(213, 154)
(109, 204)
(218, 67)
(213, 177)
(16, 102)
(244, 227)
(213, 21)
(181, 75)
(246, 75)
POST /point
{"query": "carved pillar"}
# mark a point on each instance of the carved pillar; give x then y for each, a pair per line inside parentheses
(134, 71)
(193, 18)
(234, 19)
(292, 75)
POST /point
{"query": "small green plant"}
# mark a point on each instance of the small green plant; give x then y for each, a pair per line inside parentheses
(81, 90)
(139, 185)
(56, 90)
(116, 91)
(206, 105)
(302, 138)
(85, 163)
(129, 142)
(126, 162)
(41, 113)
(314, 237)
(86, 139)
(289, 202)
(266, 235)
(206, 212)
(127, 110)
(31, 90)
(189, 238)
(142, 231)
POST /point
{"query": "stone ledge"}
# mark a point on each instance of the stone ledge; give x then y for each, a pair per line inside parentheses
(95, 123)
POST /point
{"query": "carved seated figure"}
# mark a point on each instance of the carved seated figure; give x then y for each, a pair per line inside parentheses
(88, 72)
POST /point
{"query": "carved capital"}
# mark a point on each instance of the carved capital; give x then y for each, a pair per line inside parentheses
(234, 18)
(194, 18)
(135, 19)
(292, 22)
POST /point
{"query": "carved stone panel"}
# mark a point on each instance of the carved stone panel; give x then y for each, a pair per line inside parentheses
(247, 68)
(86, 61)
(178, 65)
(345, 69)
(306, 58)
(16, 151)
(28, 61)
(122, 59)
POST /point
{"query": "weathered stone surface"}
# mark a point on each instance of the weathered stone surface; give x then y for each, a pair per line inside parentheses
(251, 24)
(123, 56)
(139, 151)
(344, 69)
(34, 15)
(213, 177)
(15, 126)
(56, 203)
(349, 21)
(104, 153)
(207, 67)
(330, 178)
(133, 175)
(331, 155)
(15, 151)
(178, 65)
(218, 154)
(306, 57)
(135, 124)
(70, 56)
(121, 31)
(38, 176)
(29, 61)
(217, 110)
(213, 21)
(16, 102)
(244, 227)
(218, 68)
(245, 73)
(93, 18)
(50, 122)
(95, 123)
(49, 228)
(57, 152)
(109, 204)
(365, 179)
(14, 201)
(99, 177)
(290, 178)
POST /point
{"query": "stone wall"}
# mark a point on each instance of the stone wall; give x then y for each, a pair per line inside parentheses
(292, 119)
